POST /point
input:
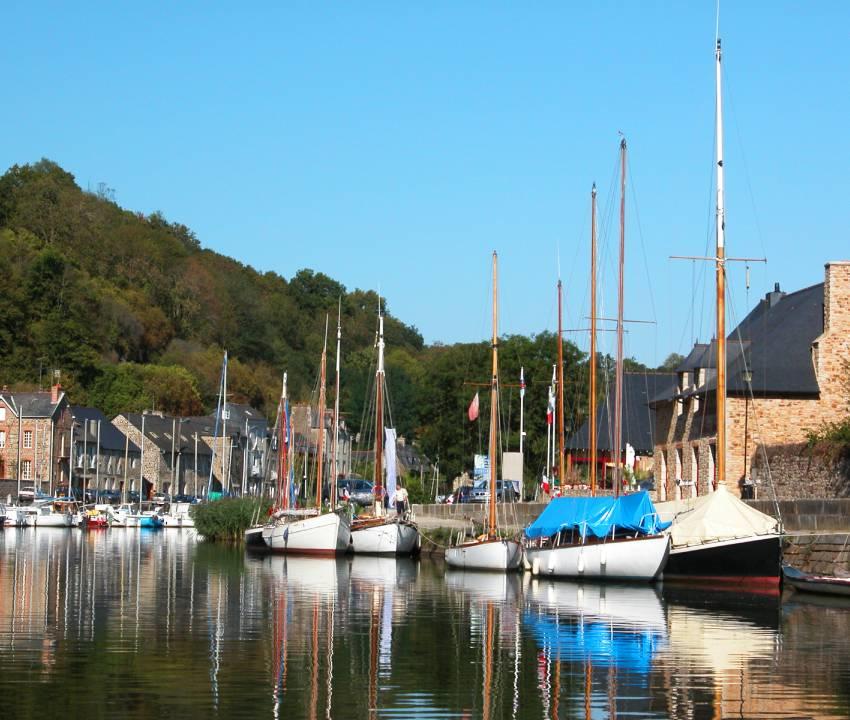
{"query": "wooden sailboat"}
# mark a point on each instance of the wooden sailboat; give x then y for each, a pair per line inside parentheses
(489, 551)
(719, 538)
(311, 531)
(600, 538)
(381, 533)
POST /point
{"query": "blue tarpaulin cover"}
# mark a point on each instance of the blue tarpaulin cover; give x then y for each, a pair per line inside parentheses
(597, 516)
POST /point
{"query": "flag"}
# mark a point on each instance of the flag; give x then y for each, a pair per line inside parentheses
(472, 413)
(545, 486)
(521, 382)
(550, 408)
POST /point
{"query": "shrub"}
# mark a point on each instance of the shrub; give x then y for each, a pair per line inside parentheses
(229, 518)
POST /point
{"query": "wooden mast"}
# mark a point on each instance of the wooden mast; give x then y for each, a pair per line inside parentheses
(721, 286)
(560, 390)
(320, 443)
(379, 419)
(618, 391)
(494, 410)
(335, 450)
(592, 404)
(282, 452)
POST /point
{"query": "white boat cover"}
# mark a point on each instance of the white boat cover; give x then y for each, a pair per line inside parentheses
(714, 517)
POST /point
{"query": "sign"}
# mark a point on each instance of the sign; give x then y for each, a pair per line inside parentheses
(481, 467)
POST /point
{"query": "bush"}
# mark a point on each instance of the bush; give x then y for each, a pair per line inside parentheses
(227, 519)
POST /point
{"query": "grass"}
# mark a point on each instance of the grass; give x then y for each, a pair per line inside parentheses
(227, 520)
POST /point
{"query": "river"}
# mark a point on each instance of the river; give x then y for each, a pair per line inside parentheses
(141, 624)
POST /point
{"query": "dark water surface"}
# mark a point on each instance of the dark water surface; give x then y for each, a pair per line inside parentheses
(138, 624)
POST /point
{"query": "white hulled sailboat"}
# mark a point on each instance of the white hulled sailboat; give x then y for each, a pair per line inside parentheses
(310, 531)
(382, 534)
(490, 551)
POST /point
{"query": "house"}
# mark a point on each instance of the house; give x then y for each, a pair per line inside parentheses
(638, 427)
(240, 445)
(786, 374)
(35, 439)
(104, 458)
(174, 458)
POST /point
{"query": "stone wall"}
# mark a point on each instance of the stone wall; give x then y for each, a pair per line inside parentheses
(798, 472)
(819, 554)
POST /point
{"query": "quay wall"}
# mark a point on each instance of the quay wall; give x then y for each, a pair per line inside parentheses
(827, 554)
(800, 472)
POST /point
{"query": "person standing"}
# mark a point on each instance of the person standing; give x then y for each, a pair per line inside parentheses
(400, 500)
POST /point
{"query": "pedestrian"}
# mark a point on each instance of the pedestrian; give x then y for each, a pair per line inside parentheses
(400, 500)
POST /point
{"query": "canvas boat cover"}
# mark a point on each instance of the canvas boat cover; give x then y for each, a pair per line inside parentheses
(598, 516)
(715, 517)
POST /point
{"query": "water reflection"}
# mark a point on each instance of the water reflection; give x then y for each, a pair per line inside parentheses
(146, 624)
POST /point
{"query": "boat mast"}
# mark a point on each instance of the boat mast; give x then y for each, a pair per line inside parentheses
(494, 409)
(592, 404)
(618, 396)
(334, 470)
(721, 286)
(320, 442)
(560, 390)
(379, 418)
(282, 452)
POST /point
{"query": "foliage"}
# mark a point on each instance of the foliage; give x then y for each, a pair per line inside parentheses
(835, 433)
(227, 519)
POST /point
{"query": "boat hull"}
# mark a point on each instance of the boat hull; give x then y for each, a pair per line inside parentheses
(52, 520)
(390, 537)
(325, 534)
(181, 521)
(743, 561)
(633, 559)
(495, 555)
(821, 584)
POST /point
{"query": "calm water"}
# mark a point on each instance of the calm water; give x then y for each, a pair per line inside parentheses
(142, 624)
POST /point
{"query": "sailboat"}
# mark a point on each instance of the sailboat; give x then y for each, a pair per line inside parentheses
(310, 531)
(719, 538)
(602, 538)
(489, 551)
(381, 533)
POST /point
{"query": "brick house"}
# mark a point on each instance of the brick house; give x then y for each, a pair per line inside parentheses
(34, 439)
(786, 374)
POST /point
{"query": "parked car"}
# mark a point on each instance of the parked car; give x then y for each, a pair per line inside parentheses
(462, 495)
(27, 493)
(505, 491)
(360, 491)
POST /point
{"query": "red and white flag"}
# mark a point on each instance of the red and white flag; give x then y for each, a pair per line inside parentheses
(550, 408)
(472, 413)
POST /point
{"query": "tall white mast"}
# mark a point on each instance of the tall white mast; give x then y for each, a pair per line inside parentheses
(379, 419)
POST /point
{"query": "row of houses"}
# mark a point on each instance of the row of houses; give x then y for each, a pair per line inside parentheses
(50, 445)
(788, 373)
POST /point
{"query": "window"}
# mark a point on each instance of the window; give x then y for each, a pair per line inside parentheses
(26, 470)
(28, 439)
(2, 413)
(2, 438)
(663, 483)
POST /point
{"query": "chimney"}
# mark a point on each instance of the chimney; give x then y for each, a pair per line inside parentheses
(836, 297)
(55, 391)
(774, 297)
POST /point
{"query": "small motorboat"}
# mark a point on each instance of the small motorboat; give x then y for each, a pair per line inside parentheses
(823, 584)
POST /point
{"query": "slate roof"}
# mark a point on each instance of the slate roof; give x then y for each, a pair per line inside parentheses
(159, 432)
(774, 342)
(111, 438)
(638, 419)
(33, 404)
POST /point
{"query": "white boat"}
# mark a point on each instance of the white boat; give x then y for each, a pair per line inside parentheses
(56, 514)
(489, 551)
(127, 516)
(382, 534)
(599, 538)
(309, 534)
(178, 516)
(12, 516)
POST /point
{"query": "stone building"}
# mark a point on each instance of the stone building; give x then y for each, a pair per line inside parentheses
(103, 457)
(34, 439)
(174, 457)
(787, 373)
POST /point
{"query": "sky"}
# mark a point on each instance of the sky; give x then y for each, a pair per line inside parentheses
(395, 146)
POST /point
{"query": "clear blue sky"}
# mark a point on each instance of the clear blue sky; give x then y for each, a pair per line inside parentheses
(395, 145)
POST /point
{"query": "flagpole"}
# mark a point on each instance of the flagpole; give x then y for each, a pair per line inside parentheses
(521, 428)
